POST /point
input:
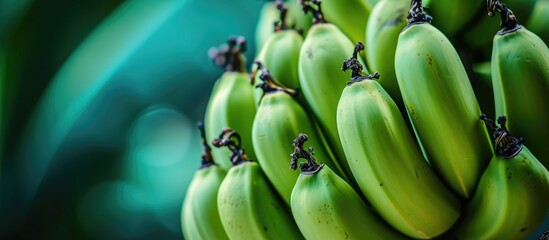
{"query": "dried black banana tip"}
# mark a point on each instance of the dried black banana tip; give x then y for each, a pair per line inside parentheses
(309, 167)
(269, 84)
(207, 159)
(506, 145)
(417, 14)
(227, 139)
(508, 20)
(357, 75)
(230, 56)
(282, 23)
(313, 7)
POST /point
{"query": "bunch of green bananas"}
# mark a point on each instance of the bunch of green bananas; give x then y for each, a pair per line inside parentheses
(405, 152)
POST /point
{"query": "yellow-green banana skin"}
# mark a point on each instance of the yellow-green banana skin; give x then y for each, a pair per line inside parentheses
(442, 106)
(385, 23)
(200, 215)
(389, 166)
(327, 207)
(351, 16)
(231, 105)
(251, 209)
(520, 77)
(278, 120)
(511, 200)
(322, 81)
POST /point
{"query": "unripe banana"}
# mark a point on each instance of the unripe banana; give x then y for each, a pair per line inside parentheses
(520, 77)
(537, 22)
(265, 24)
(441, 103)
(385, 23)
(200, 215)
(324, 48)
(297, 19)
(386, 161)
(249, 206)
(231, 102)
(351, 16)
(512, 197)
(278, 120)
(280, 54)
(326, 207)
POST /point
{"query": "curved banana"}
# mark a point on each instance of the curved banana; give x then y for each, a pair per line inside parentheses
(385, 23)
(248, 205)
(326, 207)
(520, 78)
(278, 120)
(386, 161)
(231, 103)
(351, 16)
(512, 197)
(324, 48)
(441, 103)
(538, 22)
(200, 215)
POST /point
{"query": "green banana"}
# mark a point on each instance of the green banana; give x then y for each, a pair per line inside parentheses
(249, 207)
(326, 207)
(452, 15)
(441, 103)
(296, 18)
(280, 54)
(537, 22)
(231, 102)
(278, 120)
(324, 48)
(268, 15)
(386, 161)
(351, 16)
(385, 23)
(199, 214)
(520, 78)
(512, 197)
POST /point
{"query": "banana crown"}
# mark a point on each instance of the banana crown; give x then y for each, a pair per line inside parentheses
(207, 159)
(417, 14)
(505, 144)
(227, 139)
(508, 22)
(308, 7)
(230, 56)
(357, 75)
(268, 85)
(311, 166)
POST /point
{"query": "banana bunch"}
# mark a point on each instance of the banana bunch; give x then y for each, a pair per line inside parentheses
(404, 154)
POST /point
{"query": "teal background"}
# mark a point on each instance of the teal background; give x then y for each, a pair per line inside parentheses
(98, 105)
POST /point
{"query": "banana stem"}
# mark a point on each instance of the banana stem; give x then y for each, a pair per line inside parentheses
(226, 140)
(318, 16)
(508, 20)
(230, 56)
(357, 75)
(207, 159)
(505, 144)
(311, 166)
(417, 14)
(269, 83)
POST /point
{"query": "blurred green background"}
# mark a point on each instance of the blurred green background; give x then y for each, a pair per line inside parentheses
(98, 105)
